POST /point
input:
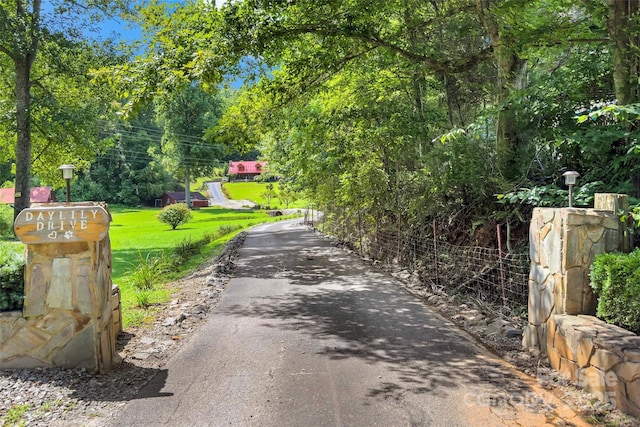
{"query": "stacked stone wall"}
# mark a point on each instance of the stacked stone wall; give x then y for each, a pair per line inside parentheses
(116, 315)
(563, 244)
(603, 359)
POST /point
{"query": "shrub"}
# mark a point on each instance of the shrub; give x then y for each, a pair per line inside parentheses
(175, 215)
(615, 279)
(226, 229)
(187, 248)
(6, 221)
(148, 272)
(11, 278)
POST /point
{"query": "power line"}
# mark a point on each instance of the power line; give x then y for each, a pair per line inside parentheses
(131, 130)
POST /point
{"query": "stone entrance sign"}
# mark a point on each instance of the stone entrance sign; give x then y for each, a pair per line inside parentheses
(62, 224)
(67, 318)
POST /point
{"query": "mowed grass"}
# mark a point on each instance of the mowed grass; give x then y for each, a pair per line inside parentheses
(254, 191)
(138, 237)
(137, 232)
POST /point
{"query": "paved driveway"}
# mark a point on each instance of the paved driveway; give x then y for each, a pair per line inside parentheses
(218, 198)
(308, 335)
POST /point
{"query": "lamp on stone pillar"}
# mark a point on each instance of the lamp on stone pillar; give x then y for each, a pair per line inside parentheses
(570, 178)
(67, 174)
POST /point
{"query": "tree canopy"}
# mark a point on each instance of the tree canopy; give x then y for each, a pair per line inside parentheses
(402, 111)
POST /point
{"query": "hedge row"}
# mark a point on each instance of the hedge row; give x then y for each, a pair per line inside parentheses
(615, 279)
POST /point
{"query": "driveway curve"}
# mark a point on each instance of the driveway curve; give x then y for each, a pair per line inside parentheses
(309, 335)
(218, 198)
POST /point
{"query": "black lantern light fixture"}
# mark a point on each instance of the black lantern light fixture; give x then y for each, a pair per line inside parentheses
(67, 174)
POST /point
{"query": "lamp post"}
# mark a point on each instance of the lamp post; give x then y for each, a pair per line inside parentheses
(67, 174)
(570, 178)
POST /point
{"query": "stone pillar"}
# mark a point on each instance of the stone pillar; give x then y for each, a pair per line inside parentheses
(617, 204)
(563, 244)
(67, 315)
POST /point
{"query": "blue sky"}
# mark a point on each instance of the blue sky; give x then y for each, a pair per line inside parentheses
(125, 30)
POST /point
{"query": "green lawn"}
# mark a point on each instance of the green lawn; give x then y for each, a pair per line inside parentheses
(137, 237)
(138, 231)
(253, 191)
(139, 240)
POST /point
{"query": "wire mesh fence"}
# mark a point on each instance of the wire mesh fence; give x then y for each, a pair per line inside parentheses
(491, 275)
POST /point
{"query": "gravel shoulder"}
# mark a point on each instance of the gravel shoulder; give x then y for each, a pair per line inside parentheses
(43, 397)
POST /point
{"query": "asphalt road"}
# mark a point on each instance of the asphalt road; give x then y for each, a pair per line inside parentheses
(308, 335)
(218, 198)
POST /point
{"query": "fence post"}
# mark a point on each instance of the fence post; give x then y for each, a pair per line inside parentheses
(312, 223)
(500, 261)
(415, 255)
(360, 233)
(435, 252)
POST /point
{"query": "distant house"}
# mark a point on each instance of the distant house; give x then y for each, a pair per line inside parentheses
(38, 195)
(197, 199)
(246, 169)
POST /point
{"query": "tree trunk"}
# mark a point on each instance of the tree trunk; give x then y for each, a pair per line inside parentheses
(622, 25)
(23, 143)
(24, 55)
(622, 22)
(509, 65)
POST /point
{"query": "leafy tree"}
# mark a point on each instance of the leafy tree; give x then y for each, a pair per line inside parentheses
(449, 41)
(131, 171)
(269, 193)
(399, 112)
(175, 215)
(181, 47)
(286, 195)
(623, 24)
(27, 32)
(186, 116)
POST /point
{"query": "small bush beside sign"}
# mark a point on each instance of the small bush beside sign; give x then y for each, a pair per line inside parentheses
(11, 277)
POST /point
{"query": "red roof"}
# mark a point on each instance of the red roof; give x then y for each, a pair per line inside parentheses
(38, 195)
(248, 167)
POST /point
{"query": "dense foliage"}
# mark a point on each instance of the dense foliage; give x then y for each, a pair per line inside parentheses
(11, 277)
(615, 278)
(412, 111)
(48, 108)
(131, 171)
